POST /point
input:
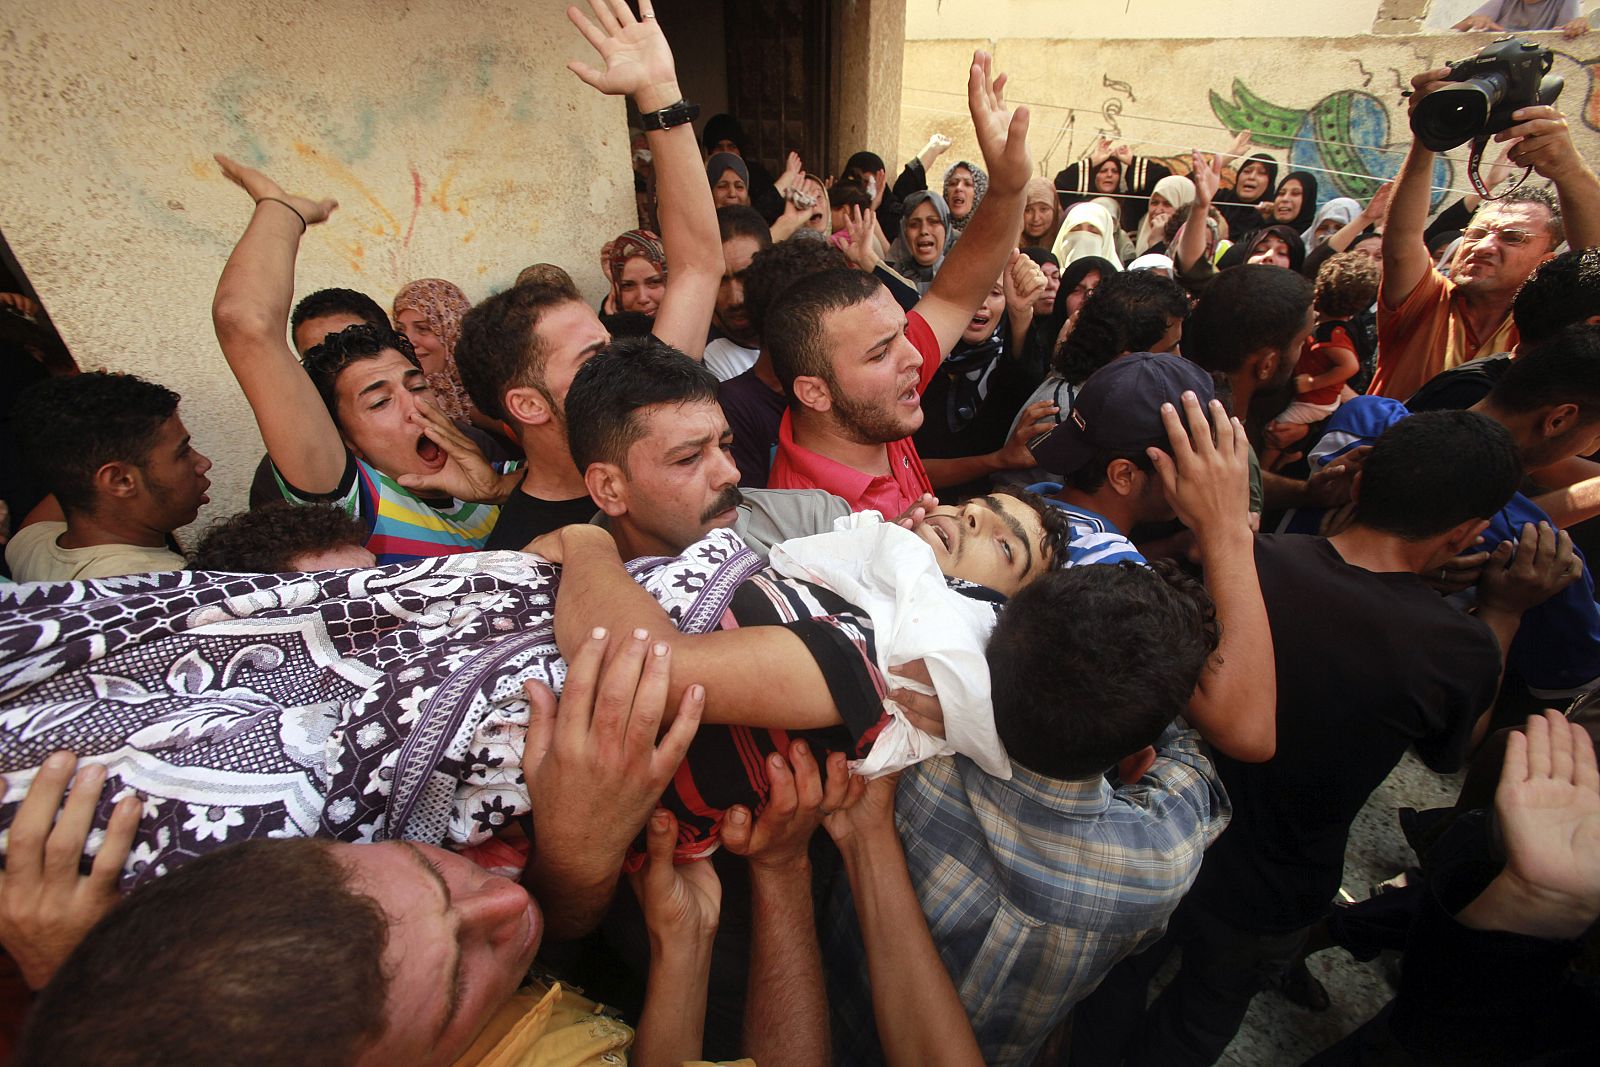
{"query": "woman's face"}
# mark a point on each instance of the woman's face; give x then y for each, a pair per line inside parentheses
(925, 233)
(1107, 175)
(820, 215)
(1291, 198)
(1252, 181)
(1326, 228)
(427, 344)
(1080, 292)
(642, 286)
(960, 192)
(1052, 285)
(1370, 246)
(1273, 251)
(1036, 219)
(1087, 227)
(730, 189)
(1160, 211)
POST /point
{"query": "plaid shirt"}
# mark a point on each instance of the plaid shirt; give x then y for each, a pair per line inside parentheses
(1033, 888)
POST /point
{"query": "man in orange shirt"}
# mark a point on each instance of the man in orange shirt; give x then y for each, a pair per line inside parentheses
(1427, 322)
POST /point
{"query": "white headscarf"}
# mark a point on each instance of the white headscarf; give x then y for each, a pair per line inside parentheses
(1101, 241)
(1341, 209)
(1154, 261)
(1176, 190)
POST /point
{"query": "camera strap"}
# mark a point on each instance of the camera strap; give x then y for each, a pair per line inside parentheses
(1475, 158)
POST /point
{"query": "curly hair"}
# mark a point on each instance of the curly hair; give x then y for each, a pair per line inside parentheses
(268, 539)
(1347, 284)
(1127, 313)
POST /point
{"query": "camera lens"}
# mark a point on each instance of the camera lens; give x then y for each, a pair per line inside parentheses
(1455, 114)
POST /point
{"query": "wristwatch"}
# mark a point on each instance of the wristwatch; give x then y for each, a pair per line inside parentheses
(670, 116)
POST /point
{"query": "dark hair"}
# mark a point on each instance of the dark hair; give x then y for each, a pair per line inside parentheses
(865, 163)
(846, 193)
(500, 347)
(774, 269)
(795, 338)
(267, 539)
(1244, 310)
(722, 127)
(1435, 470)
(1057, 528)
(1091, 474)
(326, 361)
(1542, 195)
(1091, 664)
(1560, 369)
(740, 220)
(1347, 284)
(609, 390)
(258, 953)
(70, 427)
(335, 302)
(1560, 292)
(1127, 312)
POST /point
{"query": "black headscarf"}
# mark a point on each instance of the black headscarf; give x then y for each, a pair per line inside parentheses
(1241, 214)
(1241, 251)
(1308, 202)
(1076, 271)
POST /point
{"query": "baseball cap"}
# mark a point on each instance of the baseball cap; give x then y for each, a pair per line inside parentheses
(1119, 409)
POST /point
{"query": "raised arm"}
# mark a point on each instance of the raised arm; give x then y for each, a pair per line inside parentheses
(1191, 243)
(920, 1017)
(251, 316)
(1405, 253)
(638, 63)
(1208, 485)
(1541, 140)
(977, 259)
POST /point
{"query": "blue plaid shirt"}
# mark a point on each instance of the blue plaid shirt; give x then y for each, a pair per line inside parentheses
(1033, 888)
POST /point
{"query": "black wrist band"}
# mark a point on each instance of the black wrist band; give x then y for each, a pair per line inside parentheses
(304, 226)
(670, 116)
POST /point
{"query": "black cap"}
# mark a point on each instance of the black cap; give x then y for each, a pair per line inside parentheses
(1119, 409)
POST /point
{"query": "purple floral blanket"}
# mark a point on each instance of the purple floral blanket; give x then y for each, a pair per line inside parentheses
(360, 705)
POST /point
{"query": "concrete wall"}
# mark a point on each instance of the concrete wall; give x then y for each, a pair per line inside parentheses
(1089, 20)
(867, 66)
(1332, 104)
(455, 141)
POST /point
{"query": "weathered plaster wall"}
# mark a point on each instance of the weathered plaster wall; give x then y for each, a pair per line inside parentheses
(1329, 104)
(455, 141)
(1091, 20)
(871, 50)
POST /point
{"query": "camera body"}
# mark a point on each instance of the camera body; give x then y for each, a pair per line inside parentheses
(1506, 75)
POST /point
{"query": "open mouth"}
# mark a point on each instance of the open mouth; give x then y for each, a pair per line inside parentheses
(940, 525)
(430, 452)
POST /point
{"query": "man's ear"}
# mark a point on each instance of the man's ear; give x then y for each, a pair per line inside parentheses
(1122, 475)
(1266, 364)
(813, 393)
(1558, 420)
(1465, 535)
(1133, 767)
(123, 481)
(527, 406)
(1355, 489)
(608, 487)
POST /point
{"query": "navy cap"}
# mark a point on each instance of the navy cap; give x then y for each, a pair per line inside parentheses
(1119, 409)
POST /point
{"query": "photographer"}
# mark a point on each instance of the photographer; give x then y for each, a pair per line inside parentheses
(1427, 322)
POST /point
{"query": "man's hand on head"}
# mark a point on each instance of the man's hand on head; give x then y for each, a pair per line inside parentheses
(1524, 573)
(1207, 476)
(1002, 134)
(1330, 487)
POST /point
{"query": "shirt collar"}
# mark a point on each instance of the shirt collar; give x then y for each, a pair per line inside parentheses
(819, 470)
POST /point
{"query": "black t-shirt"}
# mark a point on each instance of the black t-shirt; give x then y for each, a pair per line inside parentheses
(524, 517)
(956, 422)
(753, 411)
(1367, 664)
(1461, 386)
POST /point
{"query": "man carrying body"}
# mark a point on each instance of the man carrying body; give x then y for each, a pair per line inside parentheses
(115, 456)
(855, 365)
(1427, 322)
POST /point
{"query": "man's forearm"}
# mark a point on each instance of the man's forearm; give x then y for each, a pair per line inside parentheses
(1574, 504)
(573, 899)
(689, 234)
(671, 1027)
(1235, 707)
(919, 1013)
(256, 290)
(943, 473)
(786, 1006)
(1579, 194)
(1405, 254)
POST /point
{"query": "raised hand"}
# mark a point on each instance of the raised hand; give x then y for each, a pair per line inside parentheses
(781, 836)
(1037, 417)
(1542, 140)
(638, 61)
(859, 226)
(1023, 282)
(260, 187)
(46, 906)
(1236, 148)
(1207, 179)
(1002, 134)
(1101, 151)
(1378, 207)
(793, 171)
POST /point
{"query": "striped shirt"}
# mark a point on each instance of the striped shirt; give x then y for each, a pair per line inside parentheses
(1033, 888)
(402, 526)
(1094, 538)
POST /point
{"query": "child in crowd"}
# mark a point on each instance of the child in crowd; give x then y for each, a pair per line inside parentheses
(1347, 285)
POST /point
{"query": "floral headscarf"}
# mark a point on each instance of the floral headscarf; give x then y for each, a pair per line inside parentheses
(441, 306)
(631, 244)
(980, 185)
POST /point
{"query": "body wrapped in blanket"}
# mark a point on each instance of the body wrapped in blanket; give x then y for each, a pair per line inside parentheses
(388, 703)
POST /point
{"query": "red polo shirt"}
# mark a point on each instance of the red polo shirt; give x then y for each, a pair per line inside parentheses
(797, 467)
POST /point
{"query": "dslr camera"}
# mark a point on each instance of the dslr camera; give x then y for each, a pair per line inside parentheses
(1507, 75)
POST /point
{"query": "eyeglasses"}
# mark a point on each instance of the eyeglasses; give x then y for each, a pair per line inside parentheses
(1508, 235)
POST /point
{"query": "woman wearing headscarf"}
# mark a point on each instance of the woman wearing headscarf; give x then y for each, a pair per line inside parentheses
(1245, 206)
(730, 179)
(636, 267)
(1077, 282)
(1088, 230)
(918, 253)
(1295, 203)
(1330, 218)
(1041, 214)
(428, 311)
(724, 133)
(1171, 193)
(1112, 171)
(964, 186)
(1276, 246)
(1119, 234)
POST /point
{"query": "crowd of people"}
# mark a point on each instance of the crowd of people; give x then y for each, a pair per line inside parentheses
(940, 605)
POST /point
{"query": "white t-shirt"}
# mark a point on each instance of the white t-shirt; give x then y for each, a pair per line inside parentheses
(728, 360)
(34, 556)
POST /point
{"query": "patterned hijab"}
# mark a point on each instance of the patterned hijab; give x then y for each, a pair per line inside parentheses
(635, 243)
(980, 185)
(441, 306)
